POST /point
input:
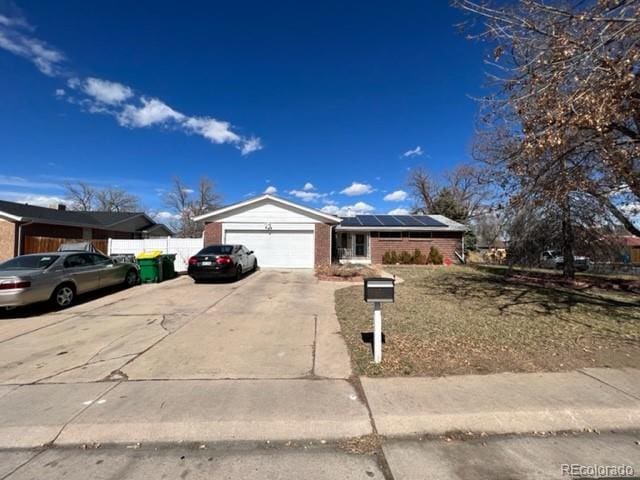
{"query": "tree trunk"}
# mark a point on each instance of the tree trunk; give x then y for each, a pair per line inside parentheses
(568, 242)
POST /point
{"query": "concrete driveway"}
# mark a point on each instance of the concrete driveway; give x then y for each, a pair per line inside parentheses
(272, 324)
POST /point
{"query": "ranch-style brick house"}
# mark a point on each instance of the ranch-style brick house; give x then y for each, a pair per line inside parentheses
(285, 234)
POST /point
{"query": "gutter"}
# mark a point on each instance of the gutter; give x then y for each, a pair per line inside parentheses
(340, 228)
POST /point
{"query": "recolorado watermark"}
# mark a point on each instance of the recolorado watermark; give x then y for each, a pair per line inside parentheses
(577, 471)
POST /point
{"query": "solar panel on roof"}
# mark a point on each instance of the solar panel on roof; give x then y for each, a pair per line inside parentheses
(409, 221)
(351, 222)
(369, 220)
(389, 221)
(428, 221)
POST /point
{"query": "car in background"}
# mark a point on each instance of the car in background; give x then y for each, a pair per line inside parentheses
(59, 277)
(221, 261)
(554, 259)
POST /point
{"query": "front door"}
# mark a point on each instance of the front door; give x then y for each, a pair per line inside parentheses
(361, 245)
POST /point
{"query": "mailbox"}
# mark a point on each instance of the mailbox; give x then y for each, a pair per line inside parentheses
(379, 290)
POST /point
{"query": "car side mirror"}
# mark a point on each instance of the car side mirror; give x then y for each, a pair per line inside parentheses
(250, 252)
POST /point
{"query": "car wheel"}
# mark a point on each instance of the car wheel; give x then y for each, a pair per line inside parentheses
(238, 273)
(131, 278)
(255, 266)
(63, 296)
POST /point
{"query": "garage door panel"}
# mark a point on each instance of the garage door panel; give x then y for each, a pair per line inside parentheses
(276, 248)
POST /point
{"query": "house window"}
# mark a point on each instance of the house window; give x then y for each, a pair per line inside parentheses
(361, 245)
(344, 240)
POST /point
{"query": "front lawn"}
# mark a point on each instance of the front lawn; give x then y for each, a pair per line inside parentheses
(457, 320)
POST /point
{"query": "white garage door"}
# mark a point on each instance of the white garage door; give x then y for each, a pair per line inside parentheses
(277, 248)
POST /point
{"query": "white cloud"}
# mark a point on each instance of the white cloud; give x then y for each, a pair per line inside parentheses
(306, 195)
(271, 189)
(250, 145)
(397, 196)
(21, 182)
(152, 112)
(359, 208)
(41, 200)
(213, 130)
(166, 216)
(416, 152)
(13, 39)
(357, 189)
(632, 209)
(74, 82)
(399, 211)
(308, 186)
(104, 91)
(96, 95)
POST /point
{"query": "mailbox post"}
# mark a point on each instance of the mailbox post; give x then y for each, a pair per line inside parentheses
(378, 290)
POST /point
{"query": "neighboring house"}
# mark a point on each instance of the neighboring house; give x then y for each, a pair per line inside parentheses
(31, 229)
(366, 238)
(288, 235)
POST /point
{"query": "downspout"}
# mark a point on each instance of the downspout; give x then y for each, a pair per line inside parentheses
(20, 225)
(463, 256)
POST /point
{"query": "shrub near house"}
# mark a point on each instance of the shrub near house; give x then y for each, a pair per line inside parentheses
(391, 257)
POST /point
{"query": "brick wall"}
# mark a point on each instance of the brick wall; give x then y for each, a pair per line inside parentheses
(212, 233)
(446, 243)
(7, 240)
(323, 244)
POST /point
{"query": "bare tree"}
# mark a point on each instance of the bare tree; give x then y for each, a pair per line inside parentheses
(533, 228)
(490, 227)
(80, 195)
(85, 197)
(460, 194)
(564, 121)
(116, 200)
(188, 203)
(423, 189)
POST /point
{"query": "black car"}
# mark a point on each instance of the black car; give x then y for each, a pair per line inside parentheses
(221, 261)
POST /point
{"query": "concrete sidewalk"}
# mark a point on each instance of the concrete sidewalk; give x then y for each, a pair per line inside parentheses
(212, 411)
(180, 411)
(595, 399)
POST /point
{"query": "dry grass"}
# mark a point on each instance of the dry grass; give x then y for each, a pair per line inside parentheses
(458, 320)
(346, 272)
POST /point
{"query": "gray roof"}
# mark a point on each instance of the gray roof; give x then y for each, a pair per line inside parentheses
(102, 220)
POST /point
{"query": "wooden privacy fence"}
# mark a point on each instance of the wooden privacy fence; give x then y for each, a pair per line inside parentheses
(51, 244)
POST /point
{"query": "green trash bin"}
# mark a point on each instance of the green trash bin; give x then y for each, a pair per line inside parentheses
(150, 266)
(168, 270)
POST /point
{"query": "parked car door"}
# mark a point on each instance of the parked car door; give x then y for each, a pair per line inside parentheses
(85, 273)
(110, 274)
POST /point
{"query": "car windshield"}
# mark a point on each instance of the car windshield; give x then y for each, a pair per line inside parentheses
(217, 250)
(29, 262)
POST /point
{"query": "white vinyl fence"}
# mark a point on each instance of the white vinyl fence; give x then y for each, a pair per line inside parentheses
(183, 248)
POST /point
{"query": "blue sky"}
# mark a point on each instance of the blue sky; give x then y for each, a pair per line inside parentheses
(330, 103)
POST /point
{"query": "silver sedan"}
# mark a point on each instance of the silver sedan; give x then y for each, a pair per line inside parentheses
(58, 277)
